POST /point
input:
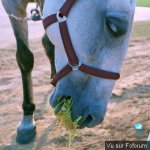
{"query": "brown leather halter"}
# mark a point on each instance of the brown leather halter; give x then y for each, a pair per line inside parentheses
(74, 63)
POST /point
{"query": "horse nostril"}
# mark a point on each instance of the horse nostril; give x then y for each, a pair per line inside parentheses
(85, 121)
(88, 119)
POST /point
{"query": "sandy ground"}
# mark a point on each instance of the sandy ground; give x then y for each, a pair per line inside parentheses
(129, 104)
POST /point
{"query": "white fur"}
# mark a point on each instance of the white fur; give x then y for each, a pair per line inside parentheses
(94, 46)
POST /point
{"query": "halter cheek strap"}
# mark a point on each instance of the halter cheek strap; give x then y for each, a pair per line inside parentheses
(74, 63)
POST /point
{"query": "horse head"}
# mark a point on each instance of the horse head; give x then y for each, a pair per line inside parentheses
(99, 33)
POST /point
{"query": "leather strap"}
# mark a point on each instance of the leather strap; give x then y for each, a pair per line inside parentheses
(61, 74)
(49, 20)
(99, 72)
(65, 9)
(74, 63)
(72, 58)
(88, 70)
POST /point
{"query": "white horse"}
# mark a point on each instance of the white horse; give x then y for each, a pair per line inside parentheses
(99, 32)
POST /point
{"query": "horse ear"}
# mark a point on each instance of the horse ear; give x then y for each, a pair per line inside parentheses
(133, 3)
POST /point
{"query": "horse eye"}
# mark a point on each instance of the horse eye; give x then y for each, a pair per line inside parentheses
(116, 25)
(113, 27)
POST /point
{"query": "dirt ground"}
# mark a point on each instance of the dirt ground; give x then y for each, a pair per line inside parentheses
(129, 104)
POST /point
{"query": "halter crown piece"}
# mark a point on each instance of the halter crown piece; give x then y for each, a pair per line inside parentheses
(74, 63)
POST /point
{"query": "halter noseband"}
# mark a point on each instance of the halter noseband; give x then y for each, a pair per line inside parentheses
(74, 63)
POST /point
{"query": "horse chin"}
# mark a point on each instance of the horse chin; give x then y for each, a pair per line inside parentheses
(91, 110)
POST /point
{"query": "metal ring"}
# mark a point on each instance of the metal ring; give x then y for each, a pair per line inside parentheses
(75, 67)
(60, 19)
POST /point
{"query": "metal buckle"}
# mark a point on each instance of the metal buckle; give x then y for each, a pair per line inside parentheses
(35, 15)
(59, 18)
(75, 67)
